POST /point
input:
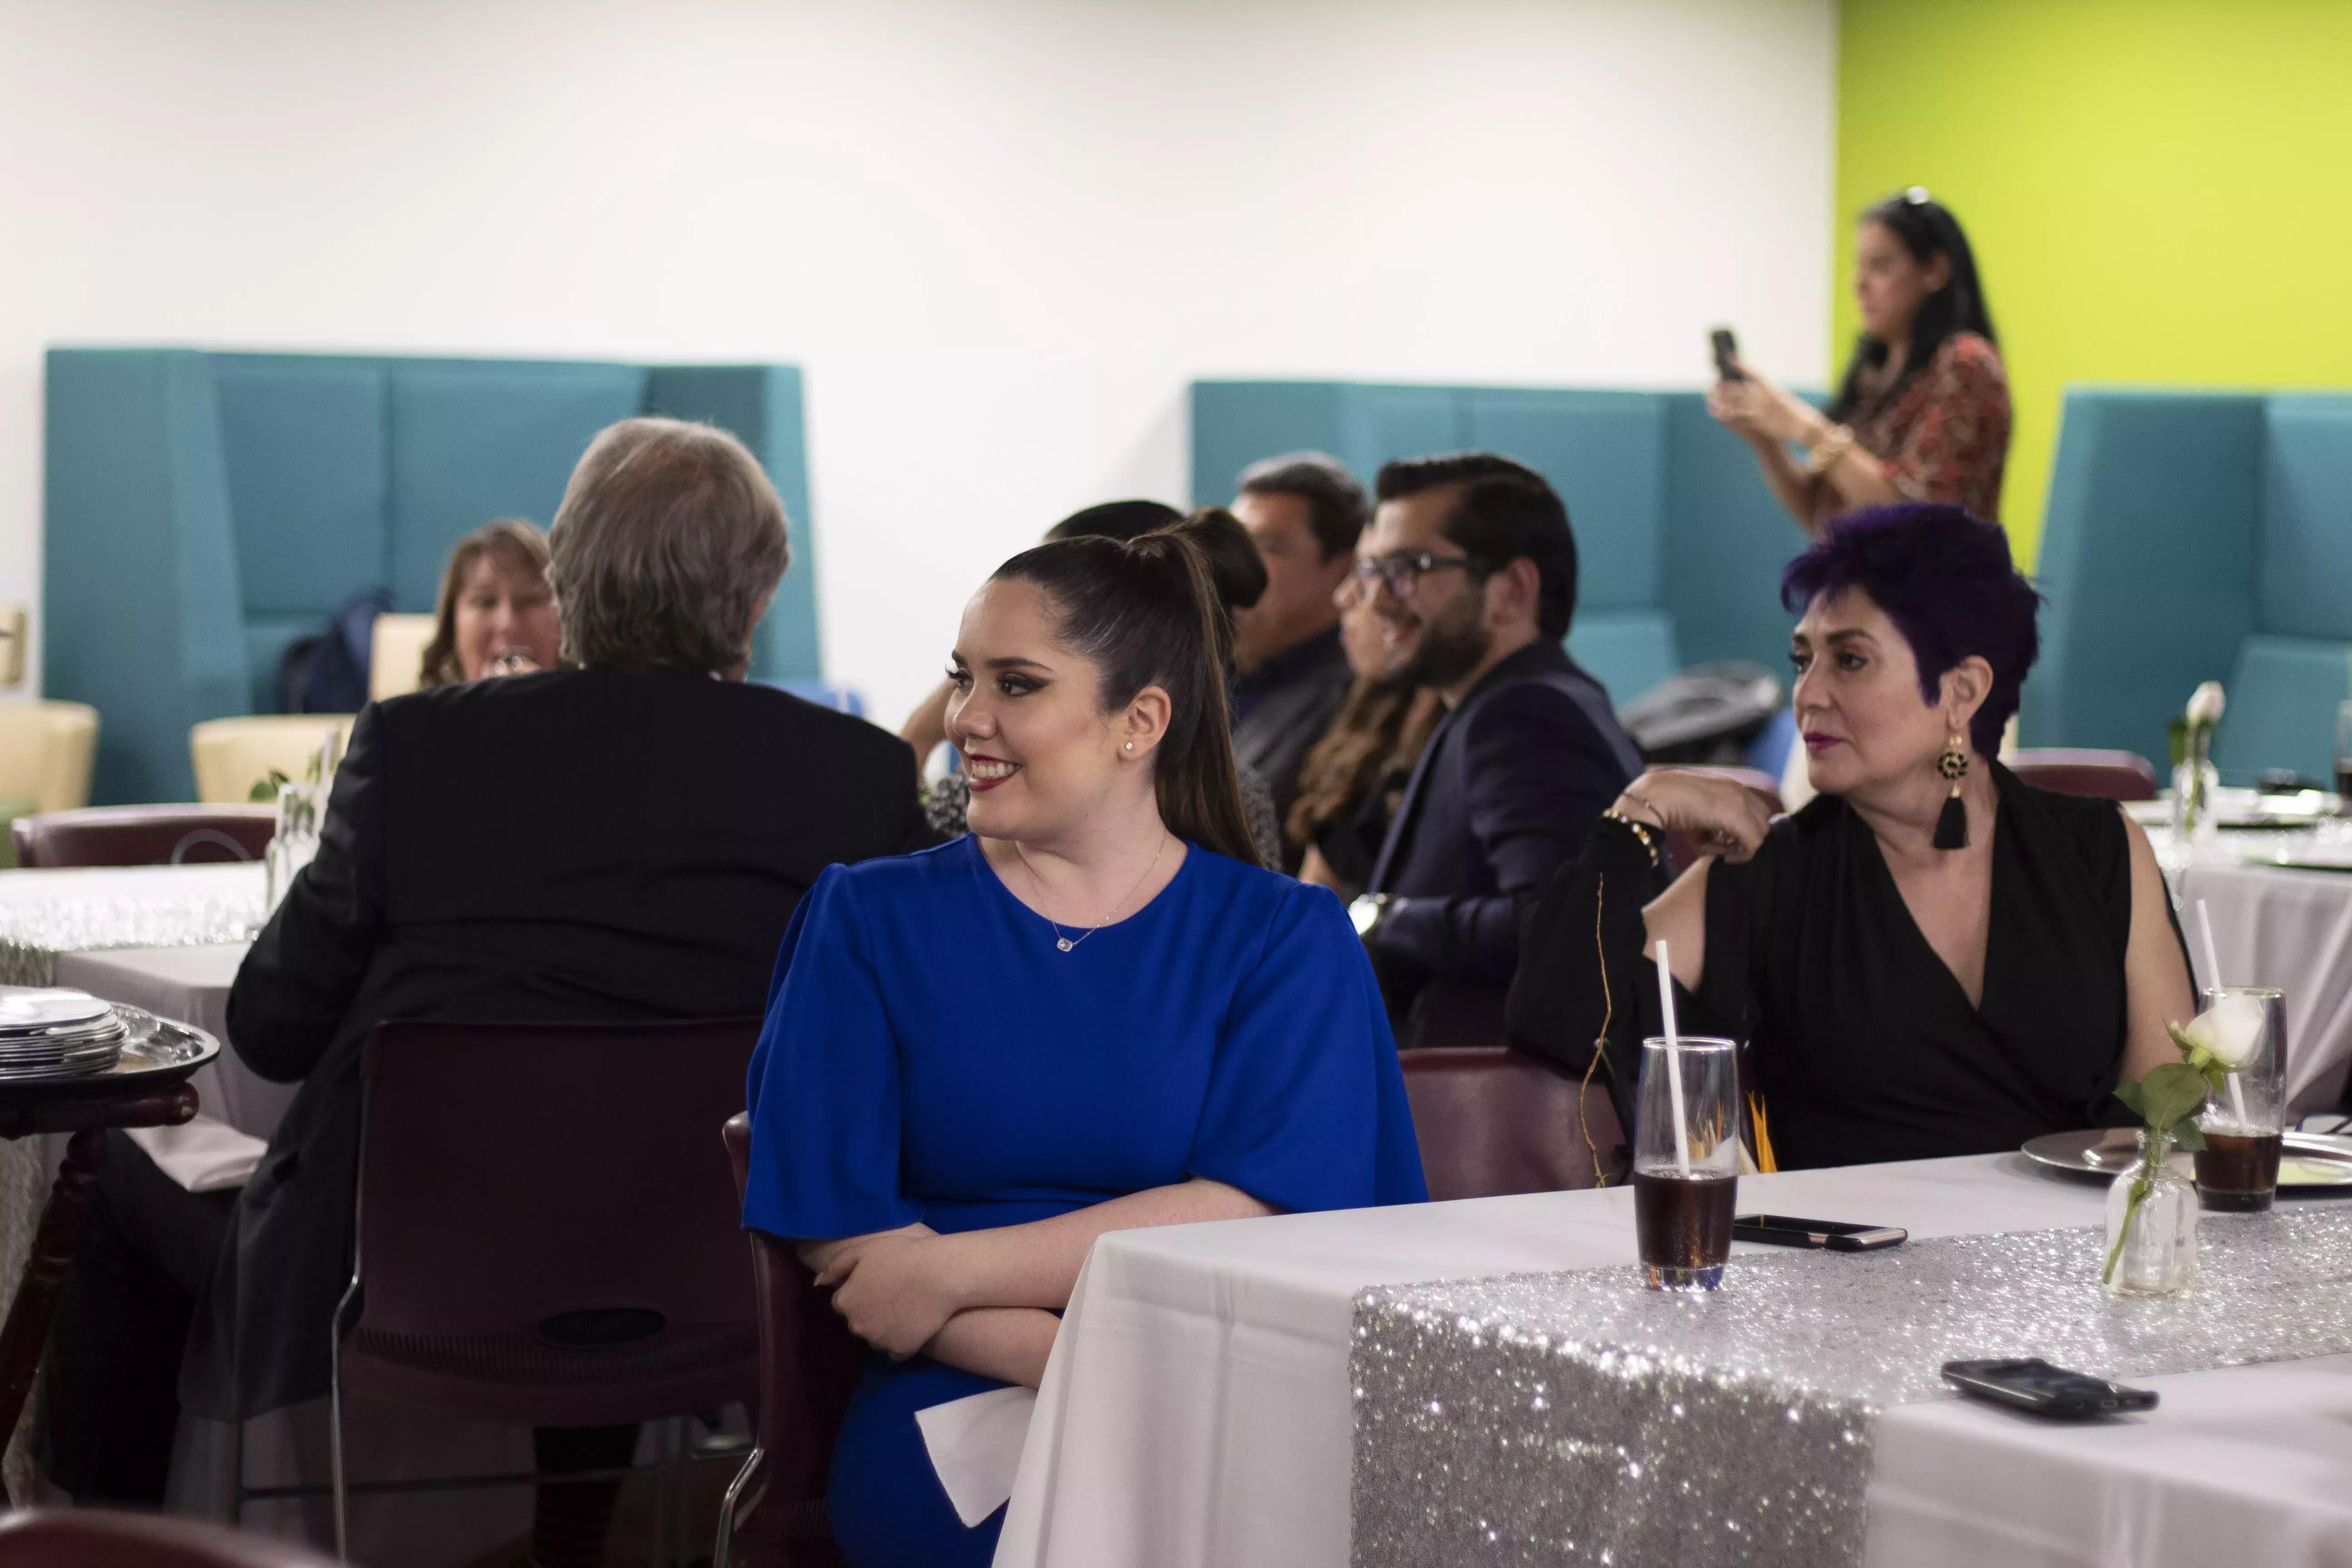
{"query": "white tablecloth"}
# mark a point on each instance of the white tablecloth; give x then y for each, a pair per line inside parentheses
(2293, 930)
(1196, 1411)
(191, 983)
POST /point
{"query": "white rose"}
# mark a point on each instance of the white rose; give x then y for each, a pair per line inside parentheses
(2205, 704)
(2230, 1031)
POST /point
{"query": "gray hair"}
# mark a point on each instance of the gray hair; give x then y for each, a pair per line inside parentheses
(668, 538)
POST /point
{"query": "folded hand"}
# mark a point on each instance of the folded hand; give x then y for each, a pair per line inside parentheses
(893, 1290)
(1723, 816)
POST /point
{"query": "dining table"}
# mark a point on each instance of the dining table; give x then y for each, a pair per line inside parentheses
(1210, 1399)
(170, 939)
(48, 915)
(2272, 878)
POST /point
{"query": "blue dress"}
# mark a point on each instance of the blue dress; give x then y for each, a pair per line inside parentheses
(930, 1055)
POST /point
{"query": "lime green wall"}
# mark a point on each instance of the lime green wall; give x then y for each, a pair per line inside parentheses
(2158, 190)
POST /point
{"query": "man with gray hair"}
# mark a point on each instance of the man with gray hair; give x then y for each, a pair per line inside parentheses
(622, 839)
(1304, 511)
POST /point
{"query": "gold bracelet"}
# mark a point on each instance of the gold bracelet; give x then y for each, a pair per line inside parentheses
(1640, 829)
(1823, 455)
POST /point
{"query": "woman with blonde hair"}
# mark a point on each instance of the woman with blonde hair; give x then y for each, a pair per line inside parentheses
(496, 615)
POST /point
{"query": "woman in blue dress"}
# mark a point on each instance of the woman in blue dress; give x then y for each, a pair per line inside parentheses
(1092, 1013)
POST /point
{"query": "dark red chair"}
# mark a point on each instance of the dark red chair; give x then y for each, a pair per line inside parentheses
(2110, 775)
(1491, 1121)
(543, 1237)
(99, 1538)
(809, 1363)
(1682, 850)
(144, 835)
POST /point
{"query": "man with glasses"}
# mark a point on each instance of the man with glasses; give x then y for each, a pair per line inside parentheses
(1470, 569)
(1306, 512)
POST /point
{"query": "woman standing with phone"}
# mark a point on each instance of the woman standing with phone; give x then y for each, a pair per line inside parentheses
(1922, 412)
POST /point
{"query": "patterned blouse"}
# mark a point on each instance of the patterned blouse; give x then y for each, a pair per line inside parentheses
(1945, 437)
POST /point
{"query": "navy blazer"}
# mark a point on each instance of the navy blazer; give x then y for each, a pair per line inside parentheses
(1504, 794)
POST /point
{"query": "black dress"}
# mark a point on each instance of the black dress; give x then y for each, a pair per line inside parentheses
(1861, 1041)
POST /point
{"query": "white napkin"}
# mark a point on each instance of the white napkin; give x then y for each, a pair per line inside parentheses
(203, 1155)
(976, 1446)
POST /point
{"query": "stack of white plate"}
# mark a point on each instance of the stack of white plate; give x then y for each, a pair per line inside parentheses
(48, 1033)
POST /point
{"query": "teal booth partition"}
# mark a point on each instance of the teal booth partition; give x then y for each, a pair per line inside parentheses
(1679, 544)
(204, 509)
(2193, 537)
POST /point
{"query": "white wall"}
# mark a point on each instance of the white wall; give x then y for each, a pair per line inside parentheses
(999, 235)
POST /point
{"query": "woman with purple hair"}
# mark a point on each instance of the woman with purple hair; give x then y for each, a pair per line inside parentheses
(1931, 958)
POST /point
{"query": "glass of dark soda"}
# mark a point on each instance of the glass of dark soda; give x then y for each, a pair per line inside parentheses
(1686, 1161)
(2236, 1170)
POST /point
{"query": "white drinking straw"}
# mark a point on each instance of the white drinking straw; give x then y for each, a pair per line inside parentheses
(1673, 1062)
(2213, 968)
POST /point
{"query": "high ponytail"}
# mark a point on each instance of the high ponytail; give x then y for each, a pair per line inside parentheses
(1155, 611)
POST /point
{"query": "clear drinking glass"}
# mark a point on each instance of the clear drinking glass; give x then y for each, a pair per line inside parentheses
(2236, 1170)
(1686, 1161)
(296, 841)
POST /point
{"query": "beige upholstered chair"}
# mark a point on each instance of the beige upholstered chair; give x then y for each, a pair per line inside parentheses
(45, 750)
(231, 755)
(397, 654)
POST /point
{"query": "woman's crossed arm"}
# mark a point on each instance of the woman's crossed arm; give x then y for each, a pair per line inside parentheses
(984, 1300)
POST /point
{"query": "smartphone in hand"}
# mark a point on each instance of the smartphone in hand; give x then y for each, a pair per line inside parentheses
(1727, 348)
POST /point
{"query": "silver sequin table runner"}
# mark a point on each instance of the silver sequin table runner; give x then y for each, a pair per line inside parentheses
(1576, 1417)
(32, 934)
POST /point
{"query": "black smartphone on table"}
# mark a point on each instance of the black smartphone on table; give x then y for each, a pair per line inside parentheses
(2034, 1386)
(1727, 348)
(1821, 1235)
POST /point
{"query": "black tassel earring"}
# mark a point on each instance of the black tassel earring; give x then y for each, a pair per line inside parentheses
(1952, 822)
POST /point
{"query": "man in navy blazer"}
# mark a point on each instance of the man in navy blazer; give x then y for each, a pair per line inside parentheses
(1471, 568)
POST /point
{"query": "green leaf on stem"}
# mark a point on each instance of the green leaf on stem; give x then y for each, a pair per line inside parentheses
(2170, 1094)
(2187, 1135)
(2167, 1097)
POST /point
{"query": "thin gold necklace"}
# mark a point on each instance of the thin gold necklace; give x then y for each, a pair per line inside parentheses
(1069, 944)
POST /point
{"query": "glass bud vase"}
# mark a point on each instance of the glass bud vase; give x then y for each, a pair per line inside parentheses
(2151, 1224)
(2195, 781)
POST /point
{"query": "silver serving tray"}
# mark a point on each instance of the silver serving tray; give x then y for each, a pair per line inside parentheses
(157, 1054)
(2306, 1159)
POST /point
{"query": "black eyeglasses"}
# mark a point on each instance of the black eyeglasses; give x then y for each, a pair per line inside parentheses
(1403, 572)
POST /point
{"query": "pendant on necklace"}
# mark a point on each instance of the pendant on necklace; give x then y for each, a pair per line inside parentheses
(1064, 943)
